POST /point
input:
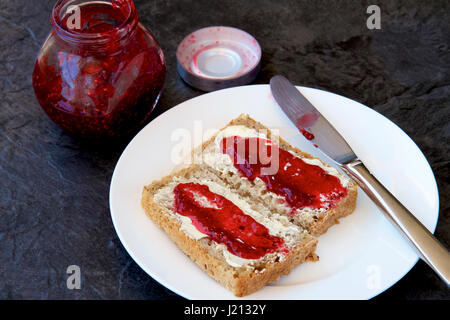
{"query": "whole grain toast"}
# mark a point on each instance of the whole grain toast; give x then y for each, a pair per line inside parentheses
(241, 280)
(315, 223)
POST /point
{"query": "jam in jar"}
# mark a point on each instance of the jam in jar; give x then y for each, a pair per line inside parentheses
(99, 73)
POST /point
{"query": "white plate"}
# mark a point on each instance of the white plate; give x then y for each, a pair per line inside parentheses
(359, 258)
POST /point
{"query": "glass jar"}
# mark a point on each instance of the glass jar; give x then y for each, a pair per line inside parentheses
(99, 73)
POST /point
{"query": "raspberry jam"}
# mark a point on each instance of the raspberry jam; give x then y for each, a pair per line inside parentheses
(101, 75)
(308, 135)
(299, 183)
(224, 222)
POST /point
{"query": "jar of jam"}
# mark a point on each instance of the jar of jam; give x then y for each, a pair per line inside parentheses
(99, 73)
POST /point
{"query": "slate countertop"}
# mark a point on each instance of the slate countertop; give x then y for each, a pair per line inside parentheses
(54, 189)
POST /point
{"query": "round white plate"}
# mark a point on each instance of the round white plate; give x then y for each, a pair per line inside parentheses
(359, 258)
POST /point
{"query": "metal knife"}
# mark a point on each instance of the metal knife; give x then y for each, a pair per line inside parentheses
(324, 136)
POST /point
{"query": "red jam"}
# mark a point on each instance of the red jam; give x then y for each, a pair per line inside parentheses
(224, 222)
(308, 135)
(307, 120)
(299, 183)
(101, 80)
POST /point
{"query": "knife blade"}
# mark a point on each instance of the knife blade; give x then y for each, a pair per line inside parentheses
(310, 121)
(314, 127)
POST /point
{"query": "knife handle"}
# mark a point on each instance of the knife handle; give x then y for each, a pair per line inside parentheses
(428, 247)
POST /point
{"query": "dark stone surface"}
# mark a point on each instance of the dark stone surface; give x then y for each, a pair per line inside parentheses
(54, 189)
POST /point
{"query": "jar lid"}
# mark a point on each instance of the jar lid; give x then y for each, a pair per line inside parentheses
(218, 57)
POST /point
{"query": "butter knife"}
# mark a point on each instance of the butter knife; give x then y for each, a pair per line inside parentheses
(313, 125)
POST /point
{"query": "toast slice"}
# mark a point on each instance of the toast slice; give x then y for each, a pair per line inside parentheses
(315, 220)
(240, 275)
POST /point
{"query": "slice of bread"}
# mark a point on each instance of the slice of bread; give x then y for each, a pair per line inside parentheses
(241, 276)
(316, 221)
